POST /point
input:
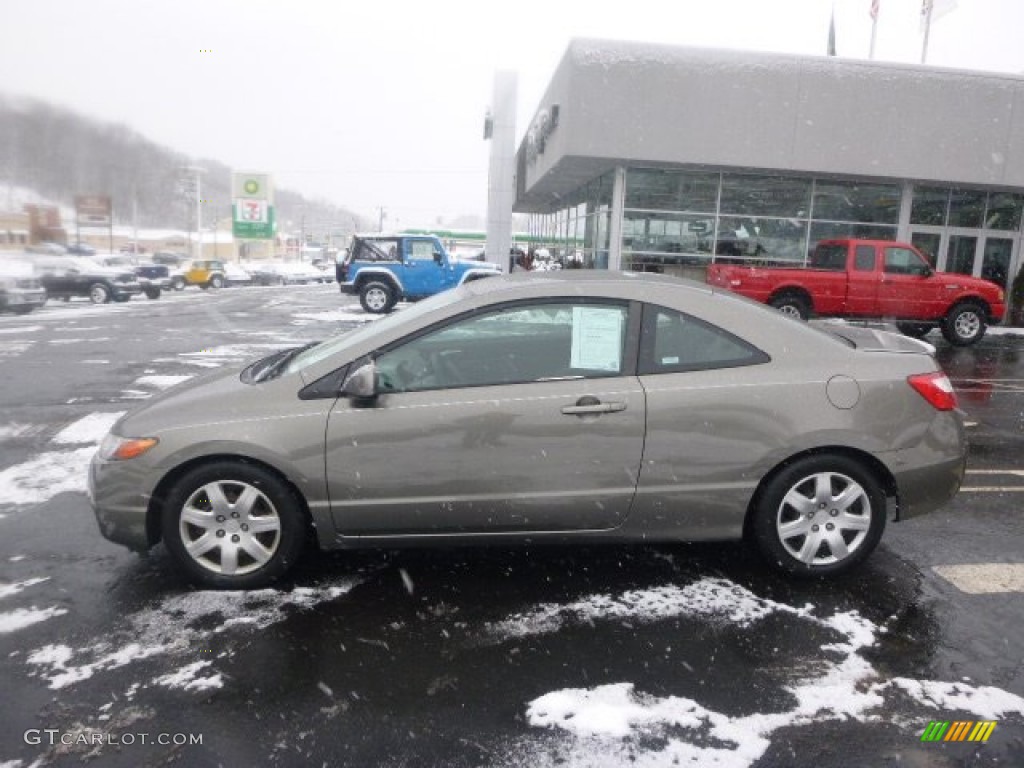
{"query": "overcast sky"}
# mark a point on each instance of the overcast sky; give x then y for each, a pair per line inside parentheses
(381, 103)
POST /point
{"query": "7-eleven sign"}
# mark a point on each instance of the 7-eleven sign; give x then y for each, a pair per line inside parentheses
(253, 207)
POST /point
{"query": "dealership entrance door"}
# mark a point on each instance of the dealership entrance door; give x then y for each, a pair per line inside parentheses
(973, 252)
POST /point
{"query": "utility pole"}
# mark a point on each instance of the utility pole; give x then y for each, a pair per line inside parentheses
(199, 207)
(380, 220)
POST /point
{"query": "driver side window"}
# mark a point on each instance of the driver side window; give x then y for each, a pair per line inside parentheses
(513, 345)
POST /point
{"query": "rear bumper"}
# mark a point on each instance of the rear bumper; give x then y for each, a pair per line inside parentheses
(929, 474)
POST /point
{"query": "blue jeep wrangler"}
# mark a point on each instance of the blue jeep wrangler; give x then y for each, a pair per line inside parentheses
(382, 269)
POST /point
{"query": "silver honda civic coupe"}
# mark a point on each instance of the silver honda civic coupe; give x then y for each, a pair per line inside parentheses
(574, 406)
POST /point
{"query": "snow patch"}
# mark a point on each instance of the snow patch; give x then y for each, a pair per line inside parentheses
(44, 476)
(985, 702)
(6, 590)
(88, 429)
(22, 329)
(187, 678)
(160, 382)
(20, 618)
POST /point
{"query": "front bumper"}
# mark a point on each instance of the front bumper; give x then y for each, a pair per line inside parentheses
(16, 299)
(119, 505)
(348, 288)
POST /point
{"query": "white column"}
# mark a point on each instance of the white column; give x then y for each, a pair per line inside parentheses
(615, 225)
(502, 172)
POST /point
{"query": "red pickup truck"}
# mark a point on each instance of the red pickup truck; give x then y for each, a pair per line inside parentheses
(872, 279)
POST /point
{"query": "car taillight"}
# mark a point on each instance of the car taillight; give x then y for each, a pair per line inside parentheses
(935, 388)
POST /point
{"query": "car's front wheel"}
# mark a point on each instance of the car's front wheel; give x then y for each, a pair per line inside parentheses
(819, 516)
(377, 297)
(233, 525)
(99, 293)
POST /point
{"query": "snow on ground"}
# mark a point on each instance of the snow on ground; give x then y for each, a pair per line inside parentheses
(335, 316)
(13, 430)
(6, 590)
(160, 382)
(179, 626)
(22, 329)
(19, 618)
(44, 476)
(616, 724)
(88, 429)
(15, 348)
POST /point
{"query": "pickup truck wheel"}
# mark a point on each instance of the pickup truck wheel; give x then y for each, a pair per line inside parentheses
(232, 525)
(792, 305)
(153, 293)
(821, 515)
(99, 293)
(964, 325)
(377, 298)
(916, 330)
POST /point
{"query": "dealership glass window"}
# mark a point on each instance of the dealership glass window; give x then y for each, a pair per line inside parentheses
(829, 230)
(856, 201)
(744, 239)
(662, 190)
(1004, 211)
(966, 208)
(929, 206)
(666, 238)
(765, 195)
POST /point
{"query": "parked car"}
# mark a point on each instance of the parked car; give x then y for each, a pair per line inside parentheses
(154, 278)
(65, 277)
(81, 249)
(384, 269)
(567, 406)
(20, 290)
(206, 273)
(873, 279)
(236, 275)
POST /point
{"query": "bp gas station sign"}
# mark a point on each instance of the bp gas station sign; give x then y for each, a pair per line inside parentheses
(253, 207)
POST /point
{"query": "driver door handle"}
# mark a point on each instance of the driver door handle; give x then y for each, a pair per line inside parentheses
(591, 405)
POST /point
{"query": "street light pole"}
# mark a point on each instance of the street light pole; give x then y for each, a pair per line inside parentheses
(199, 207)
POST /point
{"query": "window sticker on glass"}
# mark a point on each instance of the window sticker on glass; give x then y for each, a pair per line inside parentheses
(597, 338)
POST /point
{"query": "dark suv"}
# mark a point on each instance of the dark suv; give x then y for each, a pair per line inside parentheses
(68, 276)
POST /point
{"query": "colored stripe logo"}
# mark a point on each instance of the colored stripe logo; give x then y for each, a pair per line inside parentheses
(958, 730)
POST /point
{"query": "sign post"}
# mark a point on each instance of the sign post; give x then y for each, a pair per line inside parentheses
(252, 206)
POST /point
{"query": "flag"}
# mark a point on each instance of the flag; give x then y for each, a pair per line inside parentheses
(874, 10)
(832, 34)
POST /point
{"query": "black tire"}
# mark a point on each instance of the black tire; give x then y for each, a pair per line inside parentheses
(783, 525)
(121, 298)
(22, 310)
(377, 298)
(152, 293)
(965, 324)
(252, 497)
(178, 284)
(216, 282)
(916, 330)
(792, 304)
(99, 293)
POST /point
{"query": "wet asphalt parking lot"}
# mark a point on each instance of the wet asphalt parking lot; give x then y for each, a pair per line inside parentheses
(649, 656)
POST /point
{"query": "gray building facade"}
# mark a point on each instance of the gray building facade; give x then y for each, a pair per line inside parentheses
(666, 158)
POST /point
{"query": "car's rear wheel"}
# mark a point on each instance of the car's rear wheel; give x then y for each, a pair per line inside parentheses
(99, 293)
(819, 516)
(792, 305)
(377, 297)
(964, 325)
(232, 525)
(217, 282)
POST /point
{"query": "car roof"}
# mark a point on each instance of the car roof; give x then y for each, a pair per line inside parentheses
(635, 284)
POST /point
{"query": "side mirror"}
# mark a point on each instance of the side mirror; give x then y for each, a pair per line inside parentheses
(361, 384)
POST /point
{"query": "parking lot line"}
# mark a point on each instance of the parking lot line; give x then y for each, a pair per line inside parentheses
(984, 578)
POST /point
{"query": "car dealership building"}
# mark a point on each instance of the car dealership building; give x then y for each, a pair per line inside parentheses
(667, 158)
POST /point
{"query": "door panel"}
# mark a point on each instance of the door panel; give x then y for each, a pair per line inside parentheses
(995, 260)
(487, 459)
(960, 254)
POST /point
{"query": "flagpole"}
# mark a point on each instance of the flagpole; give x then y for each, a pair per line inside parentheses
(874, 28)
(926, 9)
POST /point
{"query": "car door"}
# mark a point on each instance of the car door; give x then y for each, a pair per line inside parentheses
(528, 417)
(424, 274)
(908, 288)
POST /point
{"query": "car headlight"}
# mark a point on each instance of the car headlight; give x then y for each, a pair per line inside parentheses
(115, 448)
